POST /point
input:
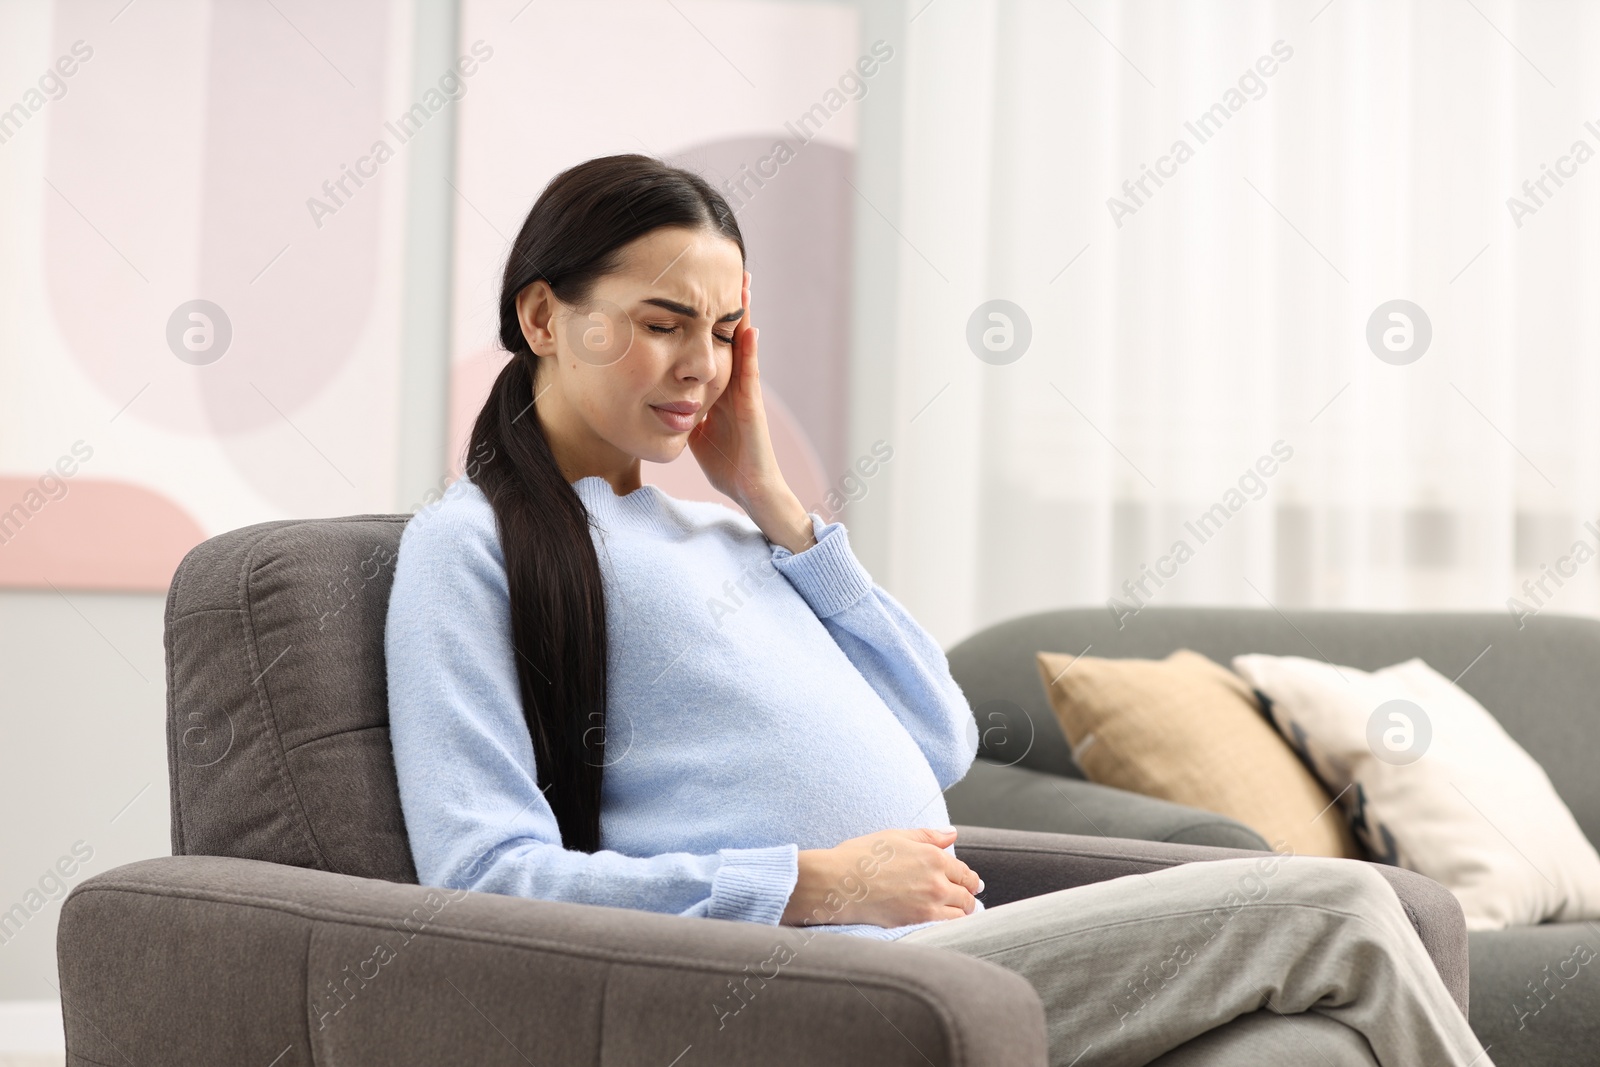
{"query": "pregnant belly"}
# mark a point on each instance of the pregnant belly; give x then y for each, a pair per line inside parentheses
(812, 778)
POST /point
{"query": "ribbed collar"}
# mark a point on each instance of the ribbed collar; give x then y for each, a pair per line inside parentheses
(646, 508)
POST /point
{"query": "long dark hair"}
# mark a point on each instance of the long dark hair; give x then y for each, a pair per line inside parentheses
(573, 235)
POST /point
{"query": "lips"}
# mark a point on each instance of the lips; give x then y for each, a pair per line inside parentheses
(678, 415)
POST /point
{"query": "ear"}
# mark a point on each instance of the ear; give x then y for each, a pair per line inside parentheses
(536, 306)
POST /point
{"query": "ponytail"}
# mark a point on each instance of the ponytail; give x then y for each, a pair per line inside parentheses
(573, 235)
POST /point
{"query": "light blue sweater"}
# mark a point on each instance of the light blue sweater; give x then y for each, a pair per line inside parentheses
(759, 702)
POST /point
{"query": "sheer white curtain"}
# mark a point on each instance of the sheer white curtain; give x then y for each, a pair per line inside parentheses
(1354, 154)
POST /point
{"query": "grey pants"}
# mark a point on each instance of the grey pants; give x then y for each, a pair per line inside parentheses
(1281, 959)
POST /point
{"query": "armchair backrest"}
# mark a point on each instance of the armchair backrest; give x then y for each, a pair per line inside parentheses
(1540, 681)
(277, 708)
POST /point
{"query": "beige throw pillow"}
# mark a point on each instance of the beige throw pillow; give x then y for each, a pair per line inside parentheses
(1188, 730)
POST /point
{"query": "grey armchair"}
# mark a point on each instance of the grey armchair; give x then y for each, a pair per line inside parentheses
(1534, 1000)
(287, 929)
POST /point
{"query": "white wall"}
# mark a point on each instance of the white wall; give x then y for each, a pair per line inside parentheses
(82, 755)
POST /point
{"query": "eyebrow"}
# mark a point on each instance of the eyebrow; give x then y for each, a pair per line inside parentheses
(688, 312)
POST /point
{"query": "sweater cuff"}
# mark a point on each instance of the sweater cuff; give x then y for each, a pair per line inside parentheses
(754, 884)
(827, 574)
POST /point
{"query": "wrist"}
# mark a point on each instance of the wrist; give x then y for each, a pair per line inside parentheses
(784, 521)
(810, 888)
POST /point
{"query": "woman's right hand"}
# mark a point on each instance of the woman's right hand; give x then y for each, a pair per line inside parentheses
(888, 878)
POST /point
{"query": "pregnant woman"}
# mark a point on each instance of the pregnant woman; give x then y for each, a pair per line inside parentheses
(602, 694)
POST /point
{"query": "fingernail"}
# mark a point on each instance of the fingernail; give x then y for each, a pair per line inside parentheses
(980, 885)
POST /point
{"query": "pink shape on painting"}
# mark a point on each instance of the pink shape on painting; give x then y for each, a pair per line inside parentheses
(99, 535)
(296, 288)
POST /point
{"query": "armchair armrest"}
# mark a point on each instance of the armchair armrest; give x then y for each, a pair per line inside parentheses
(1020, 863)
(192, 960)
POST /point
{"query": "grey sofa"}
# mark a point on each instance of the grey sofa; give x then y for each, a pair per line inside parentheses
(1534, 1001)
(287, 929)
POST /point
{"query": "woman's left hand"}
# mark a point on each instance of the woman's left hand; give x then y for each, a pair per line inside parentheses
(734, 449)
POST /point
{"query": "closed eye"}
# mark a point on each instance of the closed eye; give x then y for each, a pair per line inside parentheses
(728, 340)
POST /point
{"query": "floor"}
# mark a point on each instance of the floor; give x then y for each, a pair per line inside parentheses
(30, 1034)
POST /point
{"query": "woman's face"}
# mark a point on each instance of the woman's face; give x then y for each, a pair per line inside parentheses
(655, 333)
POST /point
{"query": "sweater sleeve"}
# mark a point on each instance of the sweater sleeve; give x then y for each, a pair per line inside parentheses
(898, 658)
(465, 763)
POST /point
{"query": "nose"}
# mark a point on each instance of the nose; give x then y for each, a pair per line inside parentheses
(700, 361)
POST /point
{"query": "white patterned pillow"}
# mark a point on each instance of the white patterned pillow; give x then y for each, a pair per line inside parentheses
(1431, 782)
